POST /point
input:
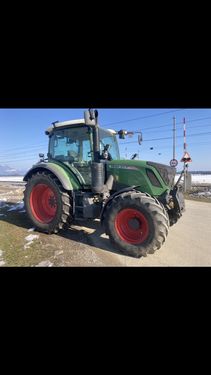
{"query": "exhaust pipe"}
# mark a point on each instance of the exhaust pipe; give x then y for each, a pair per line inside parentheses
(97, 168)
(91, 119)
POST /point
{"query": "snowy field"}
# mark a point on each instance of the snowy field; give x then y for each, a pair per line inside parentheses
(198, 178)
(11, 179)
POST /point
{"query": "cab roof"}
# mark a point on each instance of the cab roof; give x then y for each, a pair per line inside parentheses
(64, 124)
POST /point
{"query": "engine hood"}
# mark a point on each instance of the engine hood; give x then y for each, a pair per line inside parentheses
(153, 178)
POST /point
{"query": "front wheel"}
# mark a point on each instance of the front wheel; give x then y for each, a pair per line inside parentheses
(47, 204)
(136, 223)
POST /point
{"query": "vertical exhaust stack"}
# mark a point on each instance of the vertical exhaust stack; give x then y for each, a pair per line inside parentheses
(97, 168)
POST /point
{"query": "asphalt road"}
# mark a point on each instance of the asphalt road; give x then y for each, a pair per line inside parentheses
(188, 242)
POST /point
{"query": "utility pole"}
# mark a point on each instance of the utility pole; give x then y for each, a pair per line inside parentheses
(185, 150)
(174, 137)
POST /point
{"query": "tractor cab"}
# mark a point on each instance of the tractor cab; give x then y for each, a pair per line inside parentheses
(71, 143)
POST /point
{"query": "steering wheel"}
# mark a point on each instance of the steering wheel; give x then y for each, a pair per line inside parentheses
(73, 155)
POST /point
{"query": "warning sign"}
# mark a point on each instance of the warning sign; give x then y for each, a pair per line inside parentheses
(186, 158)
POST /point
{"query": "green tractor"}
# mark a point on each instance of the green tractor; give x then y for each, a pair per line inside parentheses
(83, 177)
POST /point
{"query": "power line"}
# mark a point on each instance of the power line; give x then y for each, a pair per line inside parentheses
(25, 147)
(144, 117)
(32, 152)
(17, 160)
(178, 123)
(37, 147)
(164, 138)
(170, 129)
(170, 146)
(24, 152)
(142, 149)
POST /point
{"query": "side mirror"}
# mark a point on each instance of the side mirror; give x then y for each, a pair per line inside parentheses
(122, 134)
(41, 156)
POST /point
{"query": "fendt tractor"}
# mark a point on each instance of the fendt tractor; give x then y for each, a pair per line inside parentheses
(83, 177)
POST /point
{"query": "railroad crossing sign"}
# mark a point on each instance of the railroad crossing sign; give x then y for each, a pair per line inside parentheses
(186, 158)
(173, 163)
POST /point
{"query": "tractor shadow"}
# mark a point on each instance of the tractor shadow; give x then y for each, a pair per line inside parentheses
(87, 232)
(90, 233)
(14, 217)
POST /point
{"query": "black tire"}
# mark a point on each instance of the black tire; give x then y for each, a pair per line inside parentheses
(152, 219)
(61, 205)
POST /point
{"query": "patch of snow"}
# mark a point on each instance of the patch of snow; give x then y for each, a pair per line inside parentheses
(31, 230)
(201, 178)
(7, 193)
(45, 263)
(2, 204)
(1, 253)
(12, 178)
(201, 194)
(27, 245)
(2, 263)
(22, 211)
(2, 214)
(58, 252)
(31, 237)
(17, 206)
(198, 178)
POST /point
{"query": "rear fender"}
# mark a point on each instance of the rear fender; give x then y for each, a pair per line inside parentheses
(68, 180)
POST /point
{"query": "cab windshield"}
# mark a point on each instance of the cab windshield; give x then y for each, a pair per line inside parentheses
(107, 138)
(75, 145)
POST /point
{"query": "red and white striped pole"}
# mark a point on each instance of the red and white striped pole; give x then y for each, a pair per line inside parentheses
(174, 137)
(185, 149)
(184, 127)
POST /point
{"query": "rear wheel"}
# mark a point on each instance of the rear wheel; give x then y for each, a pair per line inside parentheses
(136, 223)
(47, 204)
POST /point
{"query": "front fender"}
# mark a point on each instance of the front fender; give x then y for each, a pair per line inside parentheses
(68, 180)
(131, 188)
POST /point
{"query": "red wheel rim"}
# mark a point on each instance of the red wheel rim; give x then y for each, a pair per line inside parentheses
(132, 226)
(43, 203)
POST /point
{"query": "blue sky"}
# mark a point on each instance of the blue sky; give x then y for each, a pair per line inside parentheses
(22, 135)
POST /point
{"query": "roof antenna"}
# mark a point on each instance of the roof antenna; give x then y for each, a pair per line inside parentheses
(53, 123)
